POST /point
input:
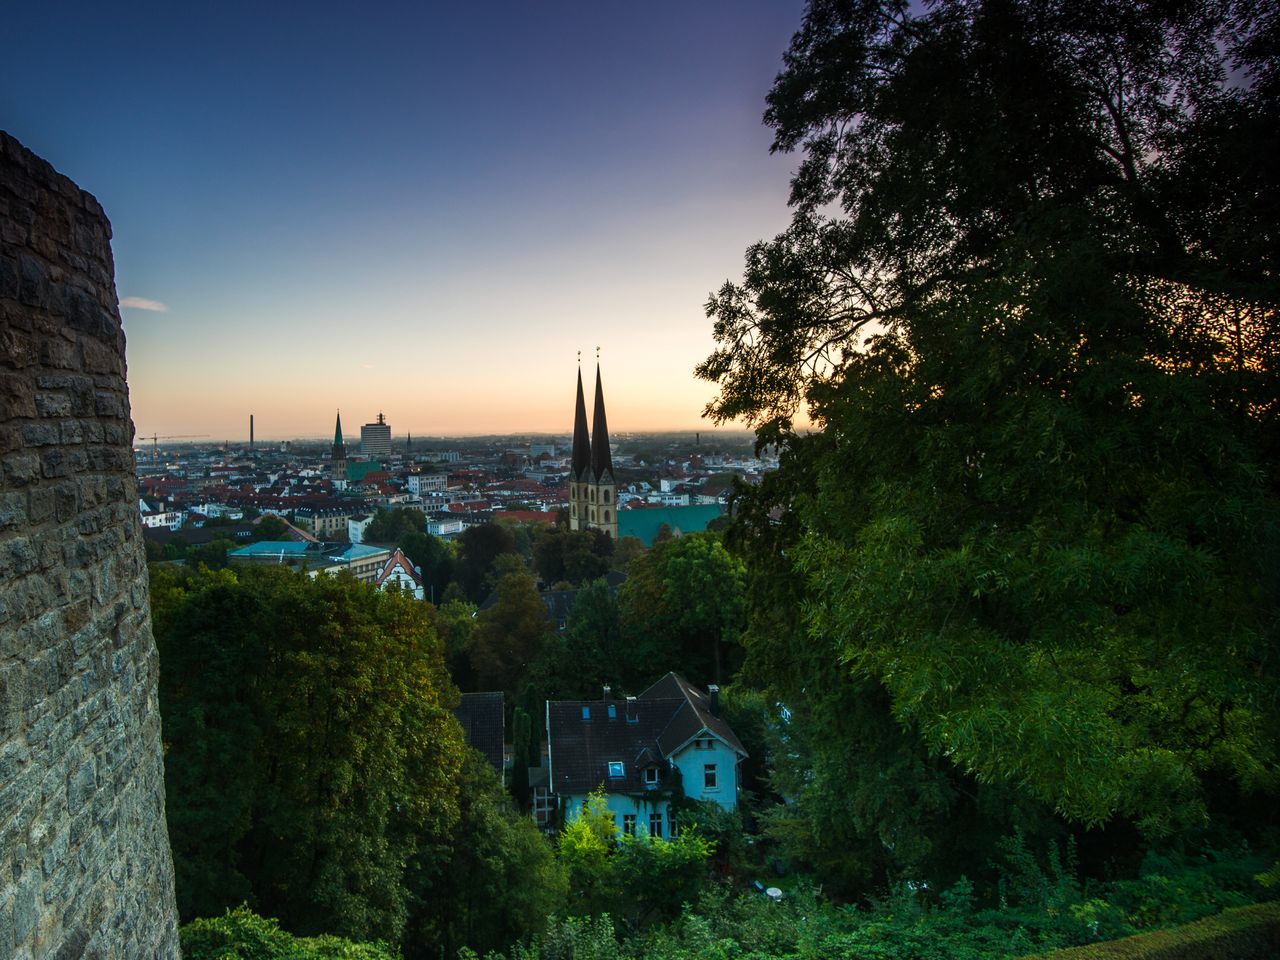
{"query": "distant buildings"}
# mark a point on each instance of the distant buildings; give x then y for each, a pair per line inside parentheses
(375, 438)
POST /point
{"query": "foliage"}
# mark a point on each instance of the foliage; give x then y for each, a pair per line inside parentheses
(391, 526)
(496, 881)
(309, 750)
(456, 624)
(637, 878)
(240, 934)
(478, 548)
(1244, 933)
(508, 635)
(433, 557)
(1028, 560)
(577, 662)
(1050, 909)
(573, 555)
(682, 609)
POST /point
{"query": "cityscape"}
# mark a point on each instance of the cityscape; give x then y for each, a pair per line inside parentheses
(753, 480)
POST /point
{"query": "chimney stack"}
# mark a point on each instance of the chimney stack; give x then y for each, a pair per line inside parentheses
(608, 692)
(714, 692)
(631, 710)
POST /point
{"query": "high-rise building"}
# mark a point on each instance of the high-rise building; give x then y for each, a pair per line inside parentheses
(375, 438)
(593, 492)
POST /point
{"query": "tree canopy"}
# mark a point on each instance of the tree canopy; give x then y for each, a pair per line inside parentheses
(1028, 302)
(310, 751)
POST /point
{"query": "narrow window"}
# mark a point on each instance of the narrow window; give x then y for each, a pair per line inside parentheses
(613, 712)
(709, 776)
(651, 775)
(655, 824)
(606, 496)
(586, 713)
(629, 824)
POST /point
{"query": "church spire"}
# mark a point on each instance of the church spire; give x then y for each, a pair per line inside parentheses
(581, 440)
(337, 432)
(601, 457)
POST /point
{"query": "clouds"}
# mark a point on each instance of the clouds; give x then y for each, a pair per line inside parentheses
(142, 303)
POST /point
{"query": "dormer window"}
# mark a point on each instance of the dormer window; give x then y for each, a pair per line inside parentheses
(613, 712)
(586, 713)
(615, 769)
(650, 776)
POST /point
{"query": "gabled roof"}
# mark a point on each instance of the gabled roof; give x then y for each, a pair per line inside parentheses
(695, 716)
(398, 559)
(642, 733)
(480, 715)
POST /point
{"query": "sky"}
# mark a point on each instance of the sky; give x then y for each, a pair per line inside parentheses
(420, 209)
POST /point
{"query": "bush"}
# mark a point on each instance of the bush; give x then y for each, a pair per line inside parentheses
(1244, 933)
(241, 934)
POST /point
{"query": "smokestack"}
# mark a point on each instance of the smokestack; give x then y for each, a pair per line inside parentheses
(251, 431)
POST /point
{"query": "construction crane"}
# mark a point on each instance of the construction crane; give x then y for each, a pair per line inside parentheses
(155, 439)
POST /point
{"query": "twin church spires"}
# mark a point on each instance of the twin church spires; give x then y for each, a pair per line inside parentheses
(593, 492)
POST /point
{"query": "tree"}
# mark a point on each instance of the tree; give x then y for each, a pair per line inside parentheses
(433, 557)
(571, 555)
(682, 608)
(1028, 301)
(478, 547)
(577, 662)
(392, 526)
(497, 881)
(309, 749)
(508, 635)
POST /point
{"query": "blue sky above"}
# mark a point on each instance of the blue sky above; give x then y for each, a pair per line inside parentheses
(421, 209)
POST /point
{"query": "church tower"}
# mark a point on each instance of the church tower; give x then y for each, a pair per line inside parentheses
(338, 457)
(593, 491)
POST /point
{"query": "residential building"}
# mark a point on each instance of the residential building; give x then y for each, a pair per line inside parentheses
(642, 751)
(420, 483)
(398, 573)
(481, 719)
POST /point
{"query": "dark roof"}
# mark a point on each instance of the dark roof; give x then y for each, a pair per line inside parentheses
(643, 732)
(581, 440)
(480, 715)
(196, 536)
(601, 456)
(694, 716)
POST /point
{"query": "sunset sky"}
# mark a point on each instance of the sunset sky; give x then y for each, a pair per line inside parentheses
(424, 209)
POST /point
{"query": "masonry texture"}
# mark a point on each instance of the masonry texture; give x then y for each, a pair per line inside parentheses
(85, 868)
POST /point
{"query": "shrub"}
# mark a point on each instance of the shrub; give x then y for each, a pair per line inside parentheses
(1243, 933)
(241, 934)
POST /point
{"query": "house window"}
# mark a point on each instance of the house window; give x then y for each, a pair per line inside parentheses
(606, 496)
(613, 712)
(651, 776)
(629, 824)
(615, 769)
(655, 824)
(586, 713)
(709, 776)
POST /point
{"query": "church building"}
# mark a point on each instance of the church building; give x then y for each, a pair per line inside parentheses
(593, 492)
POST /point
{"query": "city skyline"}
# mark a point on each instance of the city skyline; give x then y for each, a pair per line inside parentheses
(432, 219)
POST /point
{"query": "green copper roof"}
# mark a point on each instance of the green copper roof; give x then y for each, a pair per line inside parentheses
(358, 469)
(644, 523)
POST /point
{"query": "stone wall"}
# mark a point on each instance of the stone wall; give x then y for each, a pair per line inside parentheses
(85, 868)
